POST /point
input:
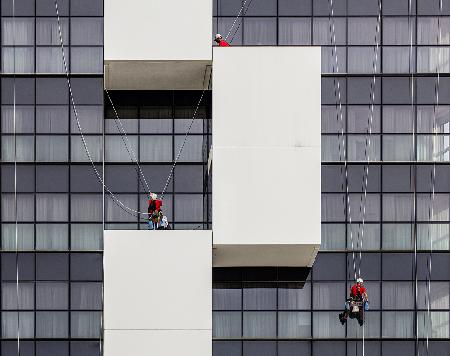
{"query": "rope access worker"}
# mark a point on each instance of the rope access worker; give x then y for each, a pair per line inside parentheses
(358, 293)
(220, 41)
(154, 210)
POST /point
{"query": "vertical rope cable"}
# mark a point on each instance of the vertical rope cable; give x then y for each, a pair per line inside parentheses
(235, 20)
(240, 23)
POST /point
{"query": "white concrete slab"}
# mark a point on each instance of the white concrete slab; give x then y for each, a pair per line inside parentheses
(157, 280)
(266, 165)
(158, 342)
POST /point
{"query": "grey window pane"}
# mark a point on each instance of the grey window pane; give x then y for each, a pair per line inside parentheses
(50, 60)
(52, 178)
(333, 207)
(86, 296)
(52, 324)
(260, 296)
(432, 148)
(370, 265)
(52, 295)
(398, 31)
(86, 31)
(332, 148)
(18, 7)
(52, 237)
(94, 145)
(25, 297)
(86, 8)
(372, 204)
(321, 270)
(229, 8)
(84, 348)
(398, 60)
(44, 348)
(357, 147)
(398, 295)
(88, 91)
(86, 236)
(328, 295)
(425, 90)
(433, 325)
(363, 7)
(52, 148)
(398, 237)
(435, 236)
(25, 180)
(226, 324)
(433, 208)
(90, 117)
(260, 31)
(361, 117)
(259, 348)
(398, 324)
(398, 119)
(52, 91)
(263, 8)
(24, 91)
(433, 59)
(362, 60)
(47, 7)
(430, 116)
(396, 90)
(124, 178)
(327, 325)
(440, 266)
(10, 327)
(399, 7)
(356, 177)
(116, 213)
(322, 34)
(329, 87)
(156, 148)
(193, 150)
(86, 267)
(333, 179)
(294, 348)
(24, 148)
(294, 324)
(116, 151)
(294, 297)
(360, 88)
(227, 297)
(18, 31)
(333, 119)
(398, 148)
(47, 33)
(26, 266)
(329, 64)
(294, 8)
(294, 31)
(24, 116)
(25, 237)
(226, 348)
(84, 179)
(85, 325)
(52, 119)
(397, 178)
(371, 327)
(363, 31)
(52, 207)
(25, 207)
(333, 237)
(439, 295)
(188, 207)
(155, 120)
(182, 125)
(371, 239)
(397, 266)
(87, 59)
(9, 348)
(18, 60)
(189, 179)
(53, 266)
(86, 207)
(259, 324)
(428, 30)
(392, 348)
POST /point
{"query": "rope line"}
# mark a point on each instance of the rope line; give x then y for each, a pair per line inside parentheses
(126, 142)
(235, 20)
(240, 23)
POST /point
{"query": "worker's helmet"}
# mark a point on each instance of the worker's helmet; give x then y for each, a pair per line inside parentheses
(154, 196)
(359, 280)
(218, 36)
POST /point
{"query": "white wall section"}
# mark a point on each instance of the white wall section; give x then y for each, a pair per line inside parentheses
(266, 165)
(157, 283)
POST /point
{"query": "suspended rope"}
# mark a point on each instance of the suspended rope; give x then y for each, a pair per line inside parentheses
(237, 17)
(365, 180)
(435, 156)
(341, 125)
(126, 142)
(237, 28)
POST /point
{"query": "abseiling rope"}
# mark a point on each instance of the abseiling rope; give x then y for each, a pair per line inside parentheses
(237, 28)
(237, 17)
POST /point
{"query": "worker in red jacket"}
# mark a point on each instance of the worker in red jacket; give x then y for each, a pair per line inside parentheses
(154, 209)
(220, 41)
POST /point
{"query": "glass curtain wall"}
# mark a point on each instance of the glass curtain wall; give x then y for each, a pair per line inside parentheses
(277, 320)
(60, 209)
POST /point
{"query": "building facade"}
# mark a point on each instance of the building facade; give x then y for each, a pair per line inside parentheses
(63, 210)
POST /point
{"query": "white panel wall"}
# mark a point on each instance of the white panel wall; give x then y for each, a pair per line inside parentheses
(144, 30)
(157, 289)
(266, 154)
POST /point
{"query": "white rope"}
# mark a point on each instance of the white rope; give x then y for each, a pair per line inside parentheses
(237, 28)
(128, 147)
(235, 20)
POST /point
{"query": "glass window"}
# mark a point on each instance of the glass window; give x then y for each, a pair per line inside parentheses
(437, 233)
(225, 348)
(327, 325)
(86, 267)
(260, 31)
(47, 33)
(439, 295)
(18, 59)
(52, 119)
(86, 296)
(332, 148)
(398, 119)
(262, 8)
(398, 148)
(294, 8)
(433, 208)
(294, 324)
(433, 59)
(24, 148)
(398, 324)
(333, 237)
(398, 237)
(362, 31)
(362, 60)
(90, 117)
(85, 325)
(321, 267)
(25, 296)
(322, 7)
(360, 118)
(52, 91)
(86, 31)
(371, 202)
(156, 148)
(294, 31)
(24, 91)
(328, 295)
(324, 35)
(398, 178)
(26, 266)
(52, 324)
(52, 266)
(116, 212)
(50, 60)
(399, 7)
(86, 207)
(87, 59)
(225, 26)
(294, 296)
(88, 91)
(52, 207)
(227, 324)
(428, 30)
(25, 237)
(357, 148)
(360, 89)
(397, 266)
(329, 64)
(259, 348)
(398, 60)
(398, 295)
(86, 8)
(398, 31)
(260, 296)
(189, 208)
(52, 148)
(259, 324)
(363, 7)
(52, 237)
(25, 179)
(25, 207)
(430, 116)
(333, 207)
(372, 324)
(95, 148)
(18, 31)
(370, 240)
(86, 236)
(24, 116)
(227, 296)
(52, 178)
(10, 327)
(433, 325)
(52, 295)
(47, 7)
